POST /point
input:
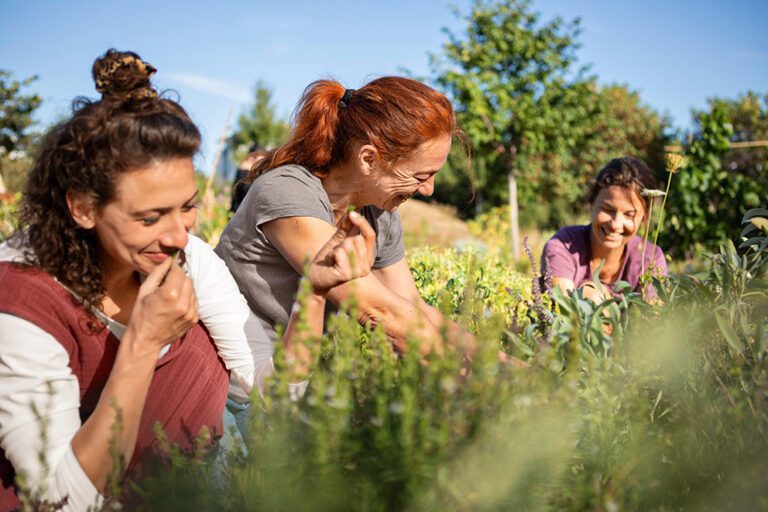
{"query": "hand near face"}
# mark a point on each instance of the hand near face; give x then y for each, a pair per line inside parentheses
(347, 255)
(166, 307)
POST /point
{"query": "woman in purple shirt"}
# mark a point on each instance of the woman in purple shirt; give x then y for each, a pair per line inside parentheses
(573, 254)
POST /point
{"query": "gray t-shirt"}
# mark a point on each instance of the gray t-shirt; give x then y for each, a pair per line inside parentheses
(265, 278)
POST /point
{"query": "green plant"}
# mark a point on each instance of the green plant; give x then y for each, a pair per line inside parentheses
(9, 205)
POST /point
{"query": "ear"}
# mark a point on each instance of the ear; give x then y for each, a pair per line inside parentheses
(368, 158)
(82, 209)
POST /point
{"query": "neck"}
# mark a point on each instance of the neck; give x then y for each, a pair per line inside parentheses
(119, 282)
(345, 186)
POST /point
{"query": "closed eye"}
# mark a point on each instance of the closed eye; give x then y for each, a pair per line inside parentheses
(424, 177)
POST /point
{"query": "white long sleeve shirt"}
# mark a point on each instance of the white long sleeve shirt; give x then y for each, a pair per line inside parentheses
(35, 376)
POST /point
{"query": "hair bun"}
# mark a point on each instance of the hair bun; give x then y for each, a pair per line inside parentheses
(123, 76)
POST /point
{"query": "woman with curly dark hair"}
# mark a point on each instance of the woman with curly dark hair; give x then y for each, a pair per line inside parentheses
(619, 205)
(97, 322)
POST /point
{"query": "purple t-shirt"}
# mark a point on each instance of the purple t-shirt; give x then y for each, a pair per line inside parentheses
(568, 252)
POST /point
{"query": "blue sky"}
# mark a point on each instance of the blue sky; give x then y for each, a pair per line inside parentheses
(675, 53)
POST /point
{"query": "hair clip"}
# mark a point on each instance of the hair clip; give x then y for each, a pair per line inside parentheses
(345, 99)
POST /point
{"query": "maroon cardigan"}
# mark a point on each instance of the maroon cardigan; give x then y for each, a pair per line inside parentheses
(188, 389)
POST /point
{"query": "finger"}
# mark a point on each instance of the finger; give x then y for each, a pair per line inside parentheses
(361, 251)
(369, 235)
(344, 222)
(187, 291)
(341, 233)
(156, 277)
(192, 304)
(341, 262)
(175, 278)
(343, 227)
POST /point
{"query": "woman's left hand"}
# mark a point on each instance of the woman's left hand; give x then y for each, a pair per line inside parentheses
(347, 255)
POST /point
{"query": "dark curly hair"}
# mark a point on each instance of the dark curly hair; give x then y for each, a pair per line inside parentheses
(128, 128)
(627, 172)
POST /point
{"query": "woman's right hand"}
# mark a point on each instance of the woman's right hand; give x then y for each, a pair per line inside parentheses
(348, 254)
(166, 307)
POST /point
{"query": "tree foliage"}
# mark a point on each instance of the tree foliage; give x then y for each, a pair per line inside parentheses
(719, 184)
(748, 115)
(260, 126)
(16, 110)
(516, 84)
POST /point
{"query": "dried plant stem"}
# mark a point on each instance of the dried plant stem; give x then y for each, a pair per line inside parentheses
(661, 215)
(647, 232)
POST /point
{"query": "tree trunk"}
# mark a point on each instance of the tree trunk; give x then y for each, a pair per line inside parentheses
(514, 224)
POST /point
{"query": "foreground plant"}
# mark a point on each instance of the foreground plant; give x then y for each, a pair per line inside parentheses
(667, 412)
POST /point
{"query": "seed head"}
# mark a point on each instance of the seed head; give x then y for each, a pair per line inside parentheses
(673, 162)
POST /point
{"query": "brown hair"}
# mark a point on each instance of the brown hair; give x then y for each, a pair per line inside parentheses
(128, 128)
(627, 172)
(394, 114)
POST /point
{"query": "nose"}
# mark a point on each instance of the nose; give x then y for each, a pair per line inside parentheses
(427, 188)
(176, 233)
(616, 222)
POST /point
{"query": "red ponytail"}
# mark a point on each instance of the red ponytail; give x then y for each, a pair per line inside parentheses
(394, 114)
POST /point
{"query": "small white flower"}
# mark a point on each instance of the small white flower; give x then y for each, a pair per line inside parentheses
(652, 192)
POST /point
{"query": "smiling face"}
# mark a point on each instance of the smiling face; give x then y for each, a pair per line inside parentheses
(617, 213)
(149, 219)
(397, 183)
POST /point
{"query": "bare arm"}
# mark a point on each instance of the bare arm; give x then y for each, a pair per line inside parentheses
(346, 256)
(300, 238)
(398, 278)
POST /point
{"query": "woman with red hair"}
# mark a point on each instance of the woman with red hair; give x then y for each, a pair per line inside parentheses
(372, 149)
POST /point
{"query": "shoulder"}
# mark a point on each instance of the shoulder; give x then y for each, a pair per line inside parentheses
(287, 191)
(17, 281)
(14, 248)
(36, 297)
(293, 175)
(573, 238)
(200, 257)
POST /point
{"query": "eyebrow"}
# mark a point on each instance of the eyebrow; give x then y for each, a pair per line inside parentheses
(162, 210)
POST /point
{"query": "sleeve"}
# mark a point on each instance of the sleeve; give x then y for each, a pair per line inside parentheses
(39, 414)
(557, 259)
(238, 334)
(391, 249)
(287, 192)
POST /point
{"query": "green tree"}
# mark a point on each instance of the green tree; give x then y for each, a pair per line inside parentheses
(16, 110)
(521, 98)
(260, 126)
(748, 115)
(719, 183)
(624, 126)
